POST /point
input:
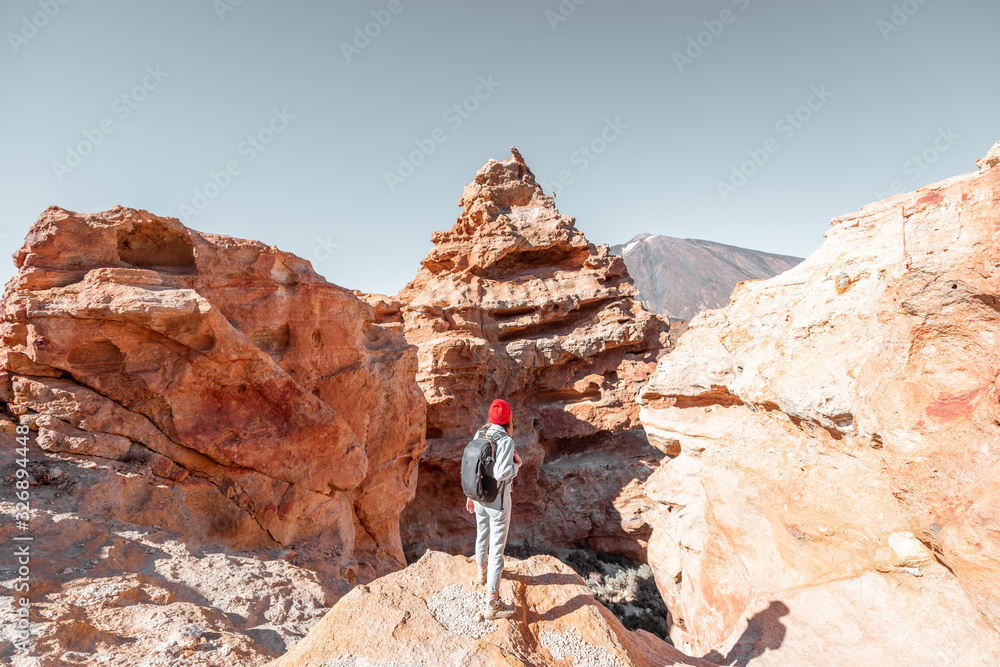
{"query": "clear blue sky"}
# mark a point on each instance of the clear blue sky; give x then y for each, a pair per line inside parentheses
(199, 78)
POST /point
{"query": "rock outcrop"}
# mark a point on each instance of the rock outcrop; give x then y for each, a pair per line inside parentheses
(513, 302)
(228, 393)
(431, 614)
(834, 445)
(678, 278)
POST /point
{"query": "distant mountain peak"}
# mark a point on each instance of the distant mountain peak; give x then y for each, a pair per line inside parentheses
(678, 278)
(636, 240)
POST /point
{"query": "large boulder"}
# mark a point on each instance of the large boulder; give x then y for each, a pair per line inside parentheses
(431, 614)
(267, 402)
(513, 302)
(834, 445)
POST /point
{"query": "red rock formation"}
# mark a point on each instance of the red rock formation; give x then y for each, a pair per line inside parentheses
(264, 399)
(513, 302)
(835, 444)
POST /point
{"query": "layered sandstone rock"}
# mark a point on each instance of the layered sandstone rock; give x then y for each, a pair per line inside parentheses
(245, 402)
(513, 302)
(431, 614)
(834, 441)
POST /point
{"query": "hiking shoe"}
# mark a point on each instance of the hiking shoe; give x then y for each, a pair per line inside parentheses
(481, 579)
(497, 609)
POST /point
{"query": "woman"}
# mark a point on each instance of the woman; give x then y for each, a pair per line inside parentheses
(493, 519)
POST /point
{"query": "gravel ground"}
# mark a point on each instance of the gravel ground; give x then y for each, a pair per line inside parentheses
(569, 645)
(461, 613)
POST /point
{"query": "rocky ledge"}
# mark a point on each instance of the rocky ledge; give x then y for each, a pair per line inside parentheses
(431, 614)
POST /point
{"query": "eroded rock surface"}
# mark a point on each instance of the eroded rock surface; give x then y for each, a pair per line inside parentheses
(513, 302)
(244, 402)
(431, 614)
(834, 442)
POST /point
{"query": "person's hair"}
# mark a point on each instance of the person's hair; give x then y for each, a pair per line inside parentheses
(505, 427)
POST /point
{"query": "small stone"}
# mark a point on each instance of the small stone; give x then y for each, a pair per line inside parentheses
(991, 159)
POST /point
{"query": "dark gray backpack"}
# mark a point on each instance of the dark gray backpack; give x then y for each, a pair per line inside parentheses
(478, 458)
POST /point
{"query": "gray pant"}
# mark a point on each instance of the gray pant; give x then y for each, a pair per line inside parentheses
(492, 525)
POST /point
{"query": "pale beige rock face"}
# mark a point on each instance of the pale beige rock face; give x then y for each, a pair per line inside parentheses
(834, 435)
(513, 302)
(431, 614)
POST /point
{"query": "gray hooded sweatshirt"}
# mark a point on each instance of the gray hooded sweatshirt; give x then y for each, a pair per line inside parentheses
(504, 468)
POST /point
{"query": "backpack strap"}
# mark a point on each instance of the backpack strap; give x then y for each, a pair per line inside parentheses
(493, 446)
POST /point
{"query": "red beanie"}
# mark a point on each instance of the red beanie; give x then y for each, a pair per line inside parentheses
(499, 412)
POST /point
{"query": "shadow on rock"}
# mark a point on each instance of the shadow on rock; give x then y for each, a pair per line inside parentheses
(764, 631)
(547, 579)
